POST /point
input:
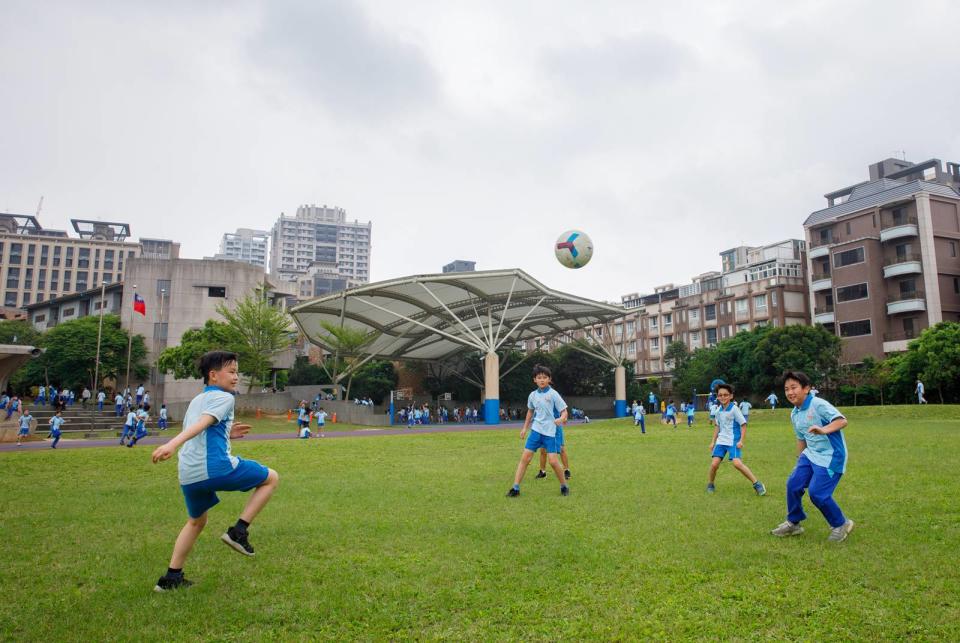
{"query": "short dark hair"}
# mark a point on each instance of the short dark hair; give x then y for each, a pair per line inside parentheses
(540, 369)
(214, 361)
(729, 387)
(799, 376)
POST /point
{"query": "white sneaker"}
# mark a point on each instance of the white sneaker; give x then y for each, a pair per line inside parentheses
(839, 534)
(787, 528)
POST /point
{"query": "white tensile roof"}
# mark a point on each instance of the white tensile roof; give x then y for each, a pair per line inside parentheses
(433, 317)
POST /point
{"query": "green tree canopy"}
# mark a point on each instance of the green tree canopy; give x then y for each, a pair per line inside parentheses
(183, 360)
(19, 332)
(261, 331)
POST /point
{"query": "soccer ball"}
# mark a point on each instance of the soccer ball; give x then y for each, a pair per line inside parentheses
(573, 249)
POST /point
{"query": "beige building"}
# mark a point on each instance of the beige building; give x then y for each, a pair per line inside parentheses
(320, 235)
(884, 256)
(39, 264)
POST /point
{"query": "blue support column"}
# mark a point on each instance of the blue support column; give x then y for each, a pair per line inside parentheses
(491, 411)
(620, 388)
(491, 377)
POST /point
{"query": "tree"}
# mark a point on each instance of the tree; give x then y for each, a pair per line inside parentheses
(304, 373)
(261, 331)
(19, 332)
(70, 353)
(939, 350)
(183, 360)
(346, 343)
(676, 355)
(375, 380)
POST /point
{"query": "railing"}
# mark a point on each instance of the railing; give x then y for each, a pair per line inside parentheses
(823, 310)
(900, 336)
(820, 276)
(887, 221)
(905, 296)
(910, 256)
(816, 243)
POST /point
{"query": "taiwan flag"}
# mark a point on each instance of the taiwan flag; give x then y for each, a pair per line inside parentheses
(139, 305)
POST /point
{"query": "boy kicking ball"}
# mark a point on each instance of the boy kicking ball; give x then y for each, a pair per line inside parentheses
(540, 411)
(821, 461)
(206, 465)
(728, 439)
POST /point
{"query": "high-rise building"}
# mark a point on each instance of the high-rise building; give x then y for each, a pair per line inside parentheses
(459, 265)
(38, 264)
(884, 256)
(320, 235)
(246, 245)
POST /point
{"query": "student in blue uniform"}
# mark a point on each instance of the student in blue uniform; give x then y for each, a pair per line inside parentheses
(206, 465)
(691, 409)
(55, 423)
(728, 437)
(142, 417)
(24, 421)
(772, 401)
(118, 404)
(638, 417)
(129, 427)
(162, 420)
(672, 414)
(821, 461)
(745, 407)
(540, 418)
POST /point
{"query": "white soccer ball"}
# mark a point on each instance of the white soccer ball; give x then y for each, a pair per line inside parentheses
(574, 249)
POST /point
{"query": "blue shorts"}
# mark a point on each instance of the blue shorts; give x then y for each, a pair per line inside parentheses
(538, 440)
(201, 496)
(721, 450)
(24, 431)
(559, 438)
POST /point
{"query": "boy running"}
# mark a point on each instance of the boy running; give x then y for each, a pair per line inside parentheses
(638, 413)
(728, 439)
(672, 414)
(129, 427)
(772, 400)
(745, 407)
(690, 412)
(821, 461)
(55, 423)
(206, 465)
(540, 416)
(24, 421)
(162, 421)
(321, 420)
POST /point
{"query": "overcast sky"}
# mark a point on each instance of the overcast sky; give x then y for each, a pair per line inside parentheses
(478, 131)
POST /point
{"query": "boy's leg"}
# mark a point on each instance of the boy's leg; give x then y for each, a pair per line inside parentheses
(821, 489)
(643, 426)
(56, 439)
(543, 460)
(557, 469)
(564, 459)
(797, 484)
(260, 497)
(714, 465)
(185, 540)
(744, 469)
(525, 459)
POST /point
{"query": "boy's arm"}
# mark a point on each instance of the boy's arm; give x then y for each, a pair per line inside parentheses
(743, 435)
(837, 424)
(716, 432)
(526, 423)
(164, 451)
(562, 419)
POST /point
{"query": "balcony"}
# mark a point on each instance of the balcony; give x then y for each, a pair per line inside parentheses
(898, 228)
(818, 251)
(821, 282)
(901, 336)
(823, 315)
(906, 302)
(908, 264)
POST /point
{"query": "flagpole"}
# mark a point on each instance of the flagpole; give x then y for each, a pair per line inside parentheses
(103, 304)
(130, 335)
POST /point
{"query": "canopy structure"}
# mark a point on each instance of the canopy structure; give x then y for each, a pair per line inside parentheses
(436, 317)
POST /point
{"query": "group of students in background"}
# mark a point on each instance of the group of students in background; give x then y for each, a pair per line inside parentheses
(305, 414)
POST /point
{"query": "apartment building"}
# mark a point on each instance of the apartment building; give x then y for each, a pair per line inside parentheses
(884, 256)
(320, 234)
(756, 286)
(246, 245)
(37, 264)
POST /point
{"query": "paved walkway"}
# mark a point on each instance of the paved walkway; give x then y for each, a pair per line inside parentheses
(359, 433)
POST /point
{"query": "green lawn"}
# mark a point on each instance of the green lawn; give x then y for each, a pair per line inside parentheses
(411, 537)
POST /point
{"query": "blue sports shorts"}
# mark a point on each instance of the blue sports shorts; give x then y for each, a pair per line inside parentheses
(559, 438)
(538, 440)
(24, 431)
(721, 450)
(201, 496)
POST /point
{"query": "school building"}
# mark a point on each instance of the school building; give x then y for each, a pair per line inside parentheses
(883, 256)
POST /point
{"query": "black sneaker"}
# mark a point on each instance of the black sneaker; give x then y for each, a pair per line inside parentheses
(513, 493)
(542, 474)
(168, 583)
(237, 540)
(566, 474)
(564, 491)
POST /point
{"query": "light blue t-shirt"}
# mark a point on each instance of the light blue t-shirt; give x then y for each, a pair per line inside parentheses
(638, 413)
(55, 422)
(207, 455)
(690, 410)
(745, 407)
(543, 403)
(828, 451)
(25, 421)
(671, 410)
(163, 413)
(729, 421)
(131, 418)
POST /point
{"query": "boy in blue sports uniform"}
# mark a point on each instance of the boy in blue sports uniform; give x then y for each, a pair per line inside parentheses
(25, 420)
(101, 397)
(162, 421)
(41, 395)
(55, 423)
(321, 420)
(141, 430)
(129, 427)
(821, 461)
(690, 412)
(728, 439)
(118, 405)
(672, 414)
(745, 407)
(540, 417)
(772, 401)
(206, 465)
(638, 413)
(561, 446)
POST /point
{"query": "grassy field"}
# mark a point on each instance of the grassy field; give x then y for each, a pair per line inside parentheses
(411, 537)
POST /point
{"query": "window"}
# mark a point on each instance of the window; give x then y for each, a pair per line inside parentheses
(83, 259)
(56, 255)
(773, 297)
(848, 257)
(26, 298)
(41, 278)
(668, 319)
(108, 259)
(163, 285)
(631, 348)
(852, 293)
(28, 279)
(711, 336)
(81, 280)
(667, 339)
(953, 248)
(630, 328)
(96, 259)
(160, 332)
(68, 312)
(848, 227)
(855, 328)
(108, 277)
(216, 291)
(695, 336)
(908, 287)
(694, 314)
(654, 343)
(742, 306)
(618, 331)
(16, 250)
(69, 260)
(654, 321)
(54, 280)
(759, 302)
(44, 255)
(710, 312)
(13, 278)
(825, 235)
(39, 318)
(67, 274)
(10, 299)
(743, 327)
(956, 285)
(31, 254)
(899, 216)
